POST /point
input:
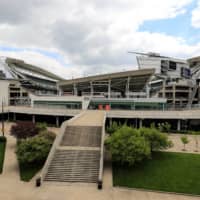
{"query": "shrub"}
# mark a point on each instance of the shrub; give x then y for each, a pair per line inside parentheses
(128, 146)
(157, 140)
(185, 141)
(48, 135)
(22, 130)
(164, 127)
(41, 126)
(114, 126)
(3, 139)
(34, 150)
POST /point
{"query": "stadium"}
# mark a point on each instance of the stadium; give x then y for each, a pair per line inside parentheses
(162, 89)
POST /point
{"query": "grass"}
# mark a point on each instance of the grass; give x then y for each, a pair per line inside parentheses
(28, 171)
(171, 172)
(2, 153)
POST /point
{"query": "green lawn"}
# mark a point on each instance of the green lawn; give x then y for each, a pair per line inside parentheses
(2, 153)
(28, 171)
(172, 172)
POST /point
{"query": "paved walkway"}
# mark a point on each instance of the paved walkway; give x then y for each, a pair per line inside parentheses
(89, 118)
(10, 169)
(178, 145)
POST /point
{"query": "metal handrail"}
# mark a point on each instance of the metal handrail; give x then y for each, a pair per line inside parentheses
(54, 146)
(100, 178)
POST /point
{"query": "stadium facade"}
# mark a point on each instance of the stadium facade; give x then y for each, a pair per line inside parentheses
(160, 83)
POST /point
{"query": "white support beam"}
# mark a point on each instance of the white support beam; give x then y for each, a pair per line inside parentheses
(91, 89)
(109, 88)
(75, 90)
(127, 87)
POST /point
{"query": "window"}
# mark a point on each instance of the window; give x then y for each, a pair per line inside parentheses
(172, 65)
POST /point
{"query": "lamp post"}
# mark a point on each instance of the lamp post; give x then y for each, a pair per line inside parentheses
(2, 118)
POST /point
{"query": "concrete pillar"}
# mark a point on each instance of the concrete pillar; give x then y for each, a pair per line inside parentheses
(147, 91)
(127, 88)
(199, 95)
(163, 89)
(178, 125)
(110, 121)
(14, 116)
(91, 89)
(174, 95)
(109, 88)
(140, 123)
(57, 121)
(33, 119)
(75, 90)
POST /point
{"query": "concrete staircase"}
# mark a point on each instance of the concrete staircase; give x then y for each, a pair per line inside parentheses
(77, 157)
(77, 154)
(74, 166)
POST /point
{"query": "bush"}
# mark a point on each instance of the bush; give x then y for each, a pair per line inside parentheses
(48, 135)
(157, 140)
(185, 141)
(3, 139)
(33, 150)
(164, 127)
(22, 130)
(114, 126)
(128, 146)
(41, 126)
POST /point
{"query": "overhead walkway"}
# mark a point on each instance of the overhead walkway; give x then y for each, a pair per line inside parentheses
(77, 153)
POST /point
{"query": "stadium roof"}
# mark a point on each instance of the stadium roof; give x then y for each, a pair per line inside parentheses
(24, 66)
(132, 74)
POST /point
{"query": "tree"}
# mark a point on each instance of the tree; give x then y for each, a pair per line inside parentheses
(196, 140)
(128, 146)
(114, 126)
(34, 149)
(48, 135)
(157, 140)
(164, 127)
(42, 126)
(185, 141)
(22, 130)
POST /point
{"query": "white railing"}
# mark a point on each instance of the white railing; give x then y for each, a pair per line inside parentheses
(55, 145)
(100, 178)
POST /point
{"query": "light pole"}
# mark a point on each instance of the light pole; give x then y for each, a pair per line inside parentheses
(2, 118)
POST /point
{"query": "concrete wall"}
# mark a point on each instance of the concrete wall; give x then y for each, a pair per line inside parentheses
(4, 92)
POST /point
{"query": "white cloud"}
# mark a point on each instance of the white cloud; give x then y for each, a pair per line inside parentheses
(196, 16)
(93, 36)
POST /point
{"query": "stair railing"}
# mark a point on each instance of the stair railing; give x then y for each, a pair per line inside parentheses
(56, 143)
(100, 177)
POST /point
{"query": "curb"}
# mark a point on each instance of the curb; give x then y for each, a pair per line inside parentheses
(157, 191)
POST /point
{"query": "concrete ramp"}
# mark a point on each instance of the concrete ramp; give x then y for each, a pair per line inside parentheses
(77, 153)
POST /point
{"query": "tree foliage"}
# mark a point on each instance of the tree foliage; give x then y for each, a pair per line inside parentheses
(130, 145)
(114, 126)
(34, 149)
(185, 141)
(164, 127)
(22, 130)
(157, 140)
(42, 126)
(127, 146)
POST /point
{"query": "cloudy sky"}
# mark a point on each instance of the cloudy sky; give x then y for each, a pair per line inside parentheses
(74, 38)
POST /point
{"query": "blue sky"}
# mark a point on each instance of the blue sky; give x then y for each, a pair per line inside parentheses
(179, 26)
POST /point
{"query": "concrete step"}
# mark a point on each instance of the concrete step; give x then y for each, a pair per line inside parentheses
(74, 166)
(86, 136)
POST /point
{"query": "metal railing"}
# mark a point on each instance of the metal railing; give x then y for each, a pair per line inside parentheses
(101, 162)
(54, 147)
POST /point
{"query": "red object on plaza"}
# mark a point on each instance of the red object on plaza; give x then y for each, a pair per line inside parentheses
(107, 107)
(100, 107)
